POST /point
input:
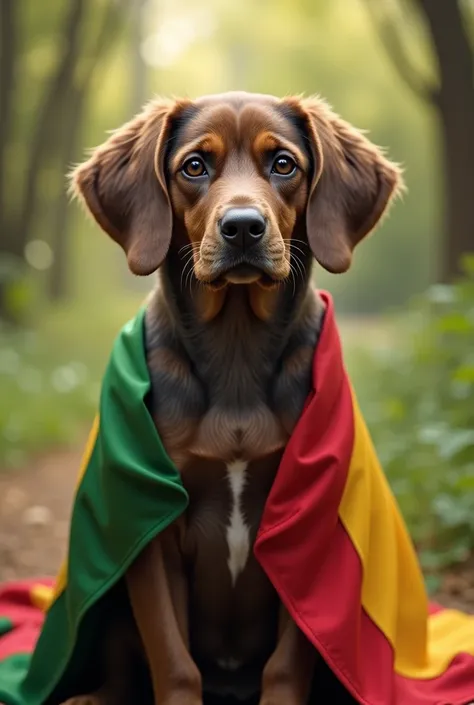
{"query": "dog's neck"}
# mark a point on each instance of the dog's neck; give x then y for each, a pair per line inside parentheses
(238, 327)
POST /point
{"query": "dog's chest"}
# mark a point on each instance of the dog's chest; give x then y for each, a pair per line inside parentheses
(233, 606)
(243, 433)
(226, 502)
(231, 460)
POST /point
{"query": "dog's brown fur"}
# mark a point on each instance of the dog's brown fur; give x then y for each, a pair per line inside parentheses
(230, 338)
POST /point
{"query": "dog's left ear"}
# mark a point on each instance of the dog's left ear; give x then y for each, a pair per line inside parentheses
(352, 184)
(123, 185)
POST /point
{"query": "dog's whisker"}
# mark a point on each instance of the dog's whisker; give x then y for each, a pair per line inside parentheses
(297, 259)
(189, 275)
(290, 241)
(292, 246)
(184, 272)
(189, 259)
(189, 280)
(292, 250)
(294, 239)
(189, 270)
(293, 278)
(297, 249)
(294, 281)
(194, 246)
(299, 266)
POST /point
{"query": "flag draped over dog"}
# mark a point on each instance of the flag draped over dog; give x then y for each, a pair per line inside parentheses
(331, 540)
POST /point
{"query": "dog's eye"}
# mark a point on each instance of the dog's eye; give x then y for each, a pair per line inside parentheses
(284, 165)
(194, 167)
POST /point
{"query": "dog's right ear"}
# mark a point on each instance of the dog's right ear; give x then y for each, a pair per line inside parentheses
(123, 185)
(352, 185)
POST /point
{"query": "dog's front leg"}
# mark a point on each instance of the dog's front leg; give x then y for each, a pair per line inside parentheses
(158, 594)
(288, 674)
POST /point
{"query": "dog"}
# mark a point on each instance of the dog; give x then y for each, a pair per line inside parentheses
(231, 197)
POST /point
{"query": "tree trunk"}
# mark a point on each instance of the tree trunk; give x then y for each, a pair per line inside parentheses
(44, 136)
(138, 69)
(72, 121)
(17, 231)
(455, 102)
(60, 232)
(8, 51)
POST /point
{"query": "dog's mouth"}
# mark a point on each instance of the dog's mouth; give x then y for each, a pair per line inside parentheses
(245, 273)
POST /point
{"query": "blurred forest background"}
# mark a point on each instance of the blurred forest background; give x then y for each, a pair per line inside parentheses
(402, 69)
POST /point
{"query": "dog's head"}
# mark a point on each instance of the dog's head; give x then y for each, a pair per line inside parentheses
(231, 176)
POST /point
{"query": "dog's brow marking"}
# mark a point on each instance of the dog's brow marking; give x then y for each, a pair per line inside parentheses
(238, 540)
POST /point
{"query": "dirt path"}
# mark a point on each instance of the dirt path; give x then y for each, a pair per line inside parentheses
(34, 518)
(34, 515)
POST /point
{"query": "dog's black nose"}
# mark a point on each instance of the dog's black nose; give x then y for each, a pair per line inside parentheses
(242, 227)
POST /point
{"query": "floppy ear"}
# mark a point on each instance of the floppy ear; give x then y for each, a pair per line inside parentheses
(352, 184)
(123, 185)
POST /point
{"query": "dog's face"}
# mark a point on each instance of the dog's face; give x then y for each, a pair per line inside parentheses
(230, 176)
(238, 180)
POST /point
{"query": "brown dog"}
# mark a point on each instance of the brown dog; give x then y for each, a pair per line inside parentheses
(230, 196)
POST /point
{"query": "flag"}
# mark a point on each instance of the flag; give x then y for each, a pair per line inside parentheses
(332, 542)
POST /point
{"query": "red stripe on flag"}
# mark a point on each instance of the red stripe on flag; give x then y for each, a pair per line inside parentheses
(453, 687)
(325, 602)
(322, 588)
(26, 618)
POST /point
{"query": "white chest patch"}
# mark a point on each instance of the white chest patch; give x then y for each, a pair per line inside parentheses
(238, 539)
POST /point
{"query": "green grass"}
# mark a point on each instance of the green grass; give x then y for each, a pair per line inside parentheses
(50, 377)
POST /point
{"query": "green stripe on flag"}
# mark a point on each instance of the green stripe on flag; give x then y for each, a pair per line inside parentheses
(12, 671)
(6, 625)
(130, 492)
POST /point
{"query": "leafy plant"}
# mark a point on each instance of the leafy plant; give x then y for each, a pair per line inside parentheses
(418, 400)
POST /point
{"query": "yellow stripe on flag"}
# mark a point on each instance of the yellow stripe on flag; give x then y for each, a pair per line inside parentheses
(393, 590)
(449, 633)
(41, 596)
(61, 578)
